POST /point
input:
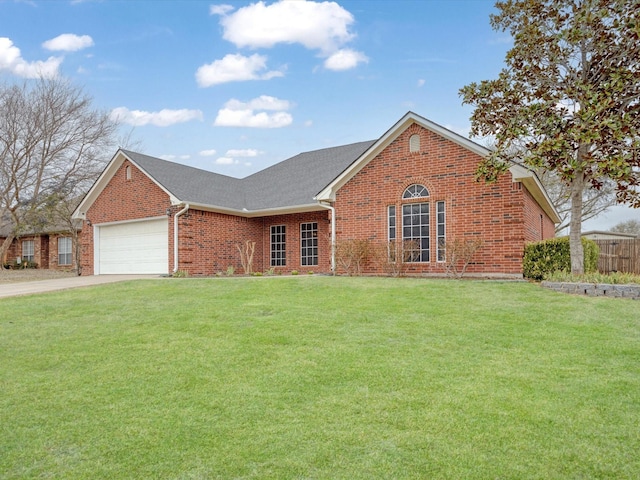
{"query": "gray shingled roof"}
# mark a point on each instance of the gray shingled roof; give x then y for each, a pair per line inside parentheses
(290, 183)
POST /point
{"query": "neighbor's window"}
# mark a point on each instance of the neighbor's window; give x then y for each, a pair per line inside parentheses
(415, 191)
(28, 252)
(309, 243)
(415, 231)
(64, 251)
(278, 246)
(128, 172)
(414, 143)
(442, 239)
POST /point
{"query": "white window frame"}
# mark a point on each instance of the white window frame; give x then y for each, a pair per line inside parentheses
(415, 191)
(309, 244)
(28, 250)
(65, 251)
(278, 245)
(416, 226)
(441, 231)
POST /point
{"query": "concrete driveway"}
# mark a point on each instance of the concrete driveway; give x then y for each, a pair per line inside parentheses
(40, 286)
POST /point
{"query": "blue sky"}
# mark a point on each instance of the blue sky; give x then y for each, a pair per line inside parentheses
(235, 86)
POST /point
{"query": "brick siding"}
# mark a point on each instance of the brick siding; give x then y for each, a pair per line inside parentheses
(493, 213)
(503, 215)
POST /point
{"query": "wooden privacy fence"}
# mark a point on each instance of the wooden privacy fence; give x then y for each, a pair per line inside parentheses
(619, 256)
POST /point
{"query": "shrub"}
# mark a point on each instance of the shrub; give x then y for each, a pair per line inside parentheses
(230, 271)
(180, 274)
(352, 254)
(458, 254)
(553, 255)
(393, 256)
(21, 265)
(616, 278)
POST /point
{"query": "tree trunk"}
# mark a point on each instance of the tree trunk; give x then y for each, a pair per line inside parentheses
(4, 248)
(575, 225)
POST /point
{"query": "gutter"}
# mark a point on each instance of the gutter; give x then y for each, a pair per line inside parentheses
(175, 236)
(333, 234)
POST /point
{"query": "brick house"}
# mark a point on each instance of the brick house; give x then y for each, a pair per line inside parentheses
(416, 182)
(51, 248)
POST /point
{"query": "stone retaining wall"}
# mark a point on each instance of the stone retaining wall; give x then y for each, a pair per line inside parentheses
(595, 289)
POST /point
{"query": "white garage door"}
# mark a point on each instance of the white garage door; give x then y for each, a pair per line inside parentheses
(135, 247)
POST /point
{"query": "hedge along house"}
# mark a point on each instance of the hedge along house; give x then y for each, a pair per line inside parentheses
(416, 182)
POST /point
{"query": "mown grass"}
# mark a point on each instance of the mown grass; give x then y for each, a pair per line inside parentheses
(316, 377)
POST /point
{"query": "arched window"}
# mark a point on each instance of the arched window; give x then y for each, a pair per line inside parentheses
(415, 191)
(414, 143)
(127, 173)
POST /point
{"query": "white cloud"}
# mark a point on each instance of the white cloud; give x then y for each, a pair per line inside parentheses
(235, 68)
(320, 26)
(226, 161)
(421, 82)
(244, 114)
(68, 42)
(263, 102)
(163, 118)
(11, 60)
(207, 153)
(249, 152)
(220, 9)
(248, 118)
(345, 59)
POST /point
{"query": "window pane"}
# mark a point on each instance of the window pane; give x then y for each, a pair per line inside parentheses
(441, 232)
(308, 244)
(415, 231)
(278, 246)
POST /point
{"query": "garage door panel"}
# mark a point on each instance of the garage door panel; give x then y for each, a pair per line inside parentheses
(136, 247)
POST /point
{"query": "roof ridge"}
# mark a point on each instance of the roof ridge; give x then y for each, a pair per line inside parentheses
(133, 154)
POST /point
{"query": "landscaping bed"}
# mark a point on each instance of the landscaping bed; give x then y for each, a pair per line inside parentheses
(595, 289)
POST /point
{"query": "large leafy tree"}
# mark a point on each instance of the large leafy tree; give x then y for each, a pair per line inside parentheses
(53, 144)
(568, 100)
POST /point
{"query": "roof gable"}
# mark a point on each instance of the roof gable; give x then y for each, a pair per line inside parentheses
(329, 192)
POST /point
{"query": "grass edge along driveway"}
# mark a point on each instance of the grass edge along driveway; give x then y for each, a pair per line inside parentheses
(318, 377)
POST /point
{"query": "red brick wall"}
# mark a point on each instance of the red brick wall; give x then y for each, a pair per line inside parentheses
(123, 199)
(538, 225)
(293, 243)
(45, 249)
(492, 212)
(53, 253)
(208, 242)
(40, 249)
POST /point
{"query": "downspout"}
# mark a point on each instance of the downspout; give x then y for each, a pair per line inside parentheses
(333, 234)
(175, 236)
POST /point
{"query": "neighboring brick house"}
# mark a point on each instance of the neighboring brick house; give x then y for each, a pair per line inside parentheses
(416, 182)
(53, 248)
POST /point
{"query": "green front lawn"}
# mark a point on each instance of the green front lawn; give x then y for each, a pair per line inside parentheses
(319, 378)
